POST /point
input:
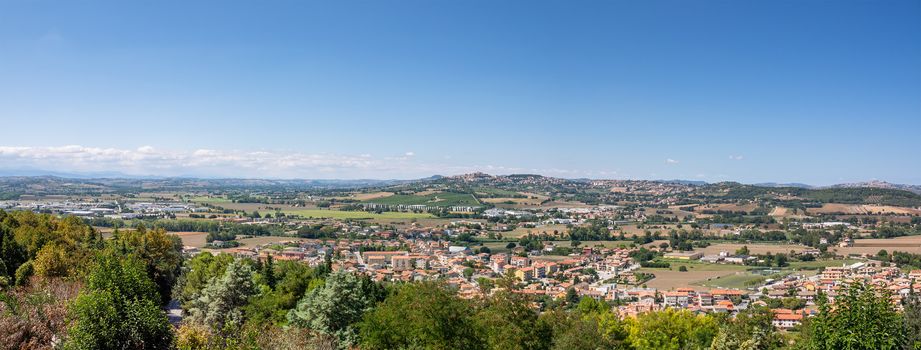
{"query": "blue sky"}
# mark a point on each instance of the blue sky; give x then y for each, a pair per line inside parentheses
(754, 91)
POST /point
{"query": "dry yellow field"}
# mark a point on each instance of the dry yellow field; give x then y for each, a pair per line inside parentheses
(370, 196)
(728, 207)
(859, 209)
(670, 279)
(911, 244)
(192, 239)
(779, 211)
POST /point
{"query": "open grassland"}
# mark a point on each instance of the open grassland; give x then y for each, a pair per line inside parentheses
(606, 244)
(371, 195)
(511, 203)
(754, 248)
(910, 244)
(740, 280)
(728, 207)
(672, 212)
(209, 199)
(752, 279)
(698, 272)
(671, 278)
(495, 192)
(439, 199)
(813, 265)
(339, 214)
(779, 212)
(859, 209)
(192, 239)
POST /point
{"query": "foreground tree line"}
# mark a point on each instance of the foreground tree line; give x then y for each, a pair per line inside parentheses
(66, 286)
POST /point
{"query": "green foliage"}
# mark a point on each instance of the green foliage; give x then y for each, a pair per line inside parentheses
(119, 309)
(420, 316)
(161, 253)
(337, 306)
(749, 330)
(51, 246)
(272, 305)
(196, 273)
(221, 303)
(507, 321)
(862, 318)
(671, 330)
(593, 326)
(912, 317)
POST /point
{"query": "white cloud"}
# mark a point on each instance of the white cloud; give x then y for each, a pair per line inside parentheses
(150, 160)
(671, 161)
(734, 157)
(147, 160)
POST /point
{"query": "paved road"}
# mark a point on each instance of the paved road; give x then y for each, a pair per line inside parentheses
(174, 312)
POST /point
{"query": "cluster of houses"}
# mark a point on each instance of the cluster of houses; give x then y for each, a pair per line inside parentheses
(607, 274)
(832, 282)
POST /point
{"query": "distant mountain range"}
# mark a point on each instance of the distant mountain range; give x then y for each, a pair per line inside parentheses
(866, 184)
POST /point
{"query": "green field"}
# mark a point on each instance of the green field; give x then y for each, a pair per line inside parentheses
(821, 263)
(496, 192)
(740, 281)
(338, 214)
(441, 199)
(702, 266)
(212, 200)
(752, 279)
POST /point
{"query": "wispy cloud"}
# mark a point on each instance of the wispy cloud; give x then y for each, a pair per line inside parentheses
(736, 157)
(671, 161)
(148, 160)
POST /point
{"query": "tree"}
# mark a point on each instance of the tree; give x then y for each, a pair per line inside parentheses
(682, 268)
(862, 318)
(161, 253)
(221, 302)
(118, 309)
(911, 310)
(337, 306)
(671, 329)
(271, 306)
(268, 271)
(468, 272)
(507, 321)
(421, 316)
(592, 325)
(510, 245)
(743, 251)
(572, 298)
(197, 272)
(751, 329)
(53, 260)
